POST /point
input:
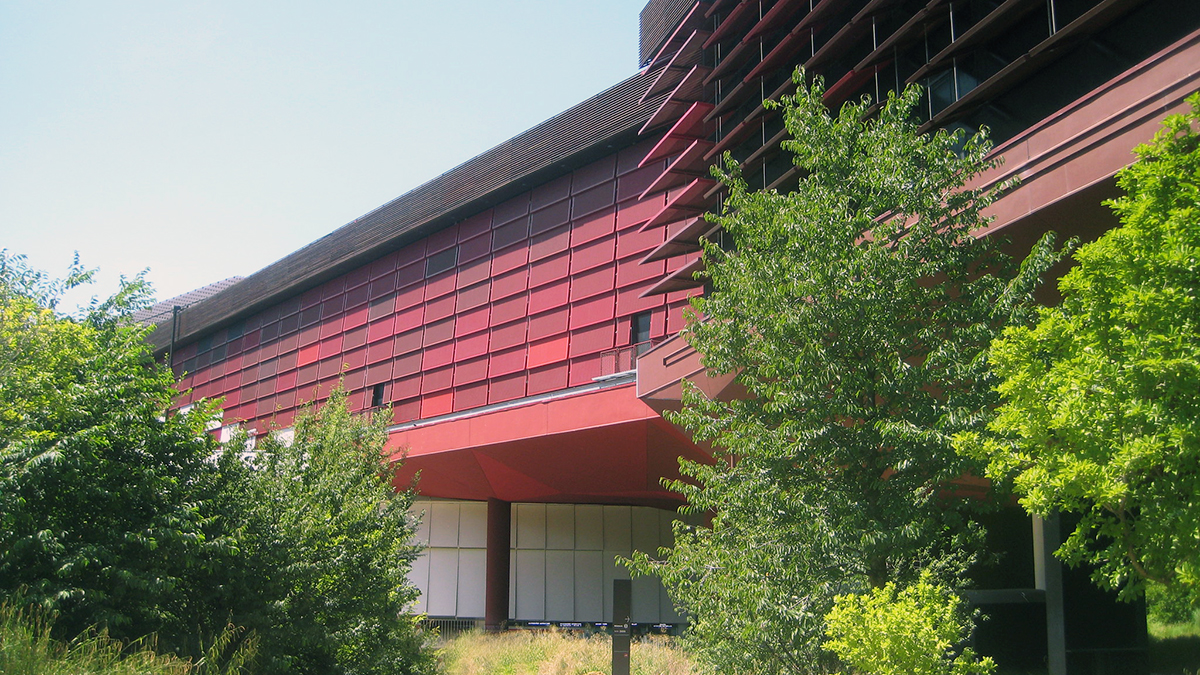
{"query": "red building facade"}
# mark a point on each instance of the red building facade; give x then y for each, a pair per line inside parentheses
(519, 314)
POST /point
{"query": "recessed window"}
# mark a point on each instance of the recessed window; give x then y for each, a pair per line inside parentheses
(639, 328)
(377, 395)
(441, 261)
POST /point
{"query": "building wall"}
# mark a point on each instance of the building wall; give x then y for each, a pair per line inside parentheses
(562, 560)
(539, 293)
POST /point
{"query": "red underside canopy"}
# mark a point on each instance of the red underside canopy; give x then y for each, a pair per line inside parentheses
(603, 447)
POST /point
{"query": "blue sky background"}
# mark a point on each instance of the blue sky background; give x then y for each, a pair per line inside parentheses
(204, 140)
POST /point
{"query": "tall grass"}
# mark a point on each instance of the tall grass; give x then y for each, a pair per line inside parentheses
(26, 648)
(558, 653)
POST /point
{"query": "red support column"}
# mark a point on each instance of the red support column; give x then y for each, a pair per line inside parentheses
(499, 530)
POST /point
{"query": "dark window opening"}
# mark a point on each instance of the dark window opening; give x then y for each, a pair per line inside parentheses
(377, 395)
(441, 261)
(639, 332)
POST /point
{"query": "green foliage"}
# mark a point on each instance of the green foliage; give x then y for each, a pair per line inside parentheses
(325, 544)
(917, 630)
(1102, 396)
(27, 648)
(854, 311)
(102, 492)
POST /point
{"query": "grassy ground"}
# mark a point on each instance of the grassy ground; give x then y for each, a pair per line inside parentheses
(555, 653)
(1175, 648)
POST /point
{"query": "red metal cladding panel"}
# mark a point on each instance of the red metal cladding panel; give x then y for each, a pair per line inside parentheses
(409, 297)
(548, 323)
(306, 375)
(407, 342)
(354, 338)
(506, 388)
(475, 296)
(470, 396)
(593, 254)
(355, 317)
(438, 332)
(355, 278)
(288, 361)
(549, 296)
(406, 387)
(289, 342)
(265, 370)
(331, 347)
(333, 288)
(475, 226)
(633, 243)
(509, 309)
(403, 366)
(675, 318)
(593, 174)
(472, 321)
(355, 379)
(508, 335)
(593, 311)
(381, 307)
(473, 272)
(439, 308)
(506, 362)
(410, 274)
(633, 213)
(411, 318)
(328, 368)
(310, 335)
(550, 269)
(250, 340)
(510, 259)
(592, 283)
(511, 209)
(549, 243)
(356, 358)
(437, 404)
(265, 406)
(584, 370)
(474, 248)
(382, 286)
(231, 399)
(383, 328)
(543, 352)
(550, 217)
(548, 378)
(549, 193)
(440, 284)
(378, 373)
(357, 295)
(437, 356)
(592, 340)
(509, 234)
(592, 200)
(286, 417)
(633, 184)
(593, 226)
(286, 380)
(310, 298)
(441, 240)
(406, 411)
(437, 380)
(474, 370)
(632, 271)
(270, 331)
(308, 354)
(629, 158)
(410, 254)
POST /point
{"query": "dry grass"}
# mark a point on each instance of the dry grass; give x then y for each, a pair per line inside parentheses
(559, 653)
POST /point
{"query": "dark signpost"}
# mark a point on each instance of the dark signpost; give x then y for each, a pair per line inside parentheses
(621, 626)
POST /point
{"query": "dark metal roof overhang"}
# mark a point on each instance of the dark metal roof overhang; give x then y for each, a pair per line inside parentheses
(603, 124)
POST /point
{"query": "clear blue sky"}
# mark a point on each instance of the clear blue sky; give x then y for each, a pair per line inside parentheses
(204, 140)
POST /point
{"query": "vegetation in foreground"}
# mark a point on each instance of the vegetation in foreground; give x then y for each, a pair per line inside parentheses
(557, 653)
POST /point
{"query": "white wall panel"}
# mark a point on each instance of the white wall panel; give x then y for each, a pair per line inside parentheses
(645, 525)
(443, 524)
(616, 528)
(419, 576)
(531, 526)
(472, 527)
(560, 585)
(589, 586)
(560, 526)
(531, 585)
(589, 527)
(645, 600)
(420, 511)
(472, 577)
(443, 582)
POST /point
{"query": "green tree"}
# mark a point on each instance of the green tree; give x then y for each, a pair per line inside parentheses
(854, 310)
(1101, 413)
(102, 492)
(326, 543)
(917, 630)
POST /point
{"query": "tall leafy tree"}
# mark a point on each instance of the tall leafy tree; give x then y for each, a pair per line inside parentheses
(102, 492)
(326, 543)
(854, 310)
(1101, 413)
